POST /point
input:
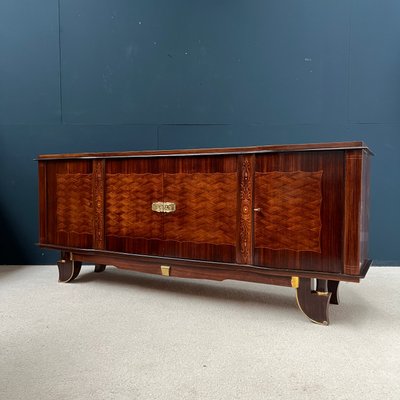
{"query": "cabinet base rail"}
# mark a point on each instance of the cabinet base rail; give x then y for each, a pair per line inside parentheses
(313, 293)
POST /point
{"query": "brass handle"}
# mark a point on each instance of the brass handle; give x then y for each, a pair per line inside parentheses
(169, 207)
(257, 209)
(164, 207)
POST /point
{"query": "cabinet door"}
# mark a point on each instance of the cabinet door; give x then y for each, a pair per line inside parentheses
(131, 186)
(204, 190)
(300, 198)
(66, 215)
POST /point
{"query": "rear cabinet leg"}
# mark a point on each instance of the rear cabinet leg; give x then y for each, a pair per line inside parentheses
(68, 270)
(99, 267)
(324, 286)
(313, 303)
(333, 288)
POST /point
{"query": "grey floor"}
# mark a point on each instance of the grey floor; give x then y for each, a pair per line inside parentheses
(125, 335)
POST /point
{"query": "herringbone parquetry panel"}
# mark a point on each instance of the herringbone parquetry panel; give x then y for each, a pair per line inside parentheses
(74, 203)
(205, 207)
(290, 205)
(128, 203)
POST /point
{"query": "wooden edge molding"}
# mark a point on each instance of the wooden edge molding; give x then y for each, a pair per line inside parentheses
(357, 145)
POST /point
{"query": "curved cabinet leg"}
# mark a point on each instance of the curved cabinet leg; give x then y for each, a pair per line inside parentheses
(314, 304)
(68, 270)
(99, 268)
(333, 288)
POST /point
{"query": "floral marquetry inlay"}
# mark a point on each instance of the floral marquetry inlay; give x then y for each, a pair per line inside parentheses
(246, 195)
(98, 196)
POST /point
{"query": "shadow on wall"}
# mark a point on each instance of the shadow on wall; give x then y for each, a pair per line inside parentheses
(11, 250)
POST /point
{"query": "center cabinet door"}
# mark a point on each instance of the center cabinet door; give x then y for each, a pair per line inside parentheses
(131, 186)
(204, 192)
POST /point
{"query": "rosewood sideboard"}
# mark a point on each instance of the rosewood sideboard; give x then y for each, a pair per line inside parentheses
(290, 215)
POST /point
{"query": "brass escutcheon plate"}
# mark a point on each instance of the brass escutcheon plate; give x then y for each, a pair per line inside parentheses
(163, 207)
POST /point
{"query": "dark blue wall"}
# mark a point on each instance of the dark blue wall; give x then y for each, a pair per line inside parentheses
(145, 74)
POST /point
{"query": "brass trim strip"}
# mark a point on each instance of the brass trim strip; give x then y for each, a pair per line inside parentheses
(295, 282)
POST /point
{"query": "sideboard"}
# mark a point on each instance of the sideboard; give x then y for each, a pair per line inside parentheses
(290, 215)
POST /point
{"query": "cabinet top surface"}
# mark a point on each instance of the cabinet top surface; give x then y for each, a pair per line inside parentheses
(215, 151)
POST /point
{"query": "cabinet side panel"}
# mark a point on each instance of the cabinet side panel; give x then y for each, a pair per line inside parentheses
(42, 202)
(352, 212)
(365, 196)
(356, 211)
(300, 222)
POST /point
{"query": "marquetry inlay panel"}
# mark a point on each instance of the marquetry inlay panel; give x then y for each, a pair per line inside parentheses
(129, 199)
(205, 207)
(74, 203)
(290, 216)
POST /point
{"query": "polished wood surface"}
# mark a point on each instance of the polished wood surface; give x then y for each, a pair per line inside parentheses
(131, 186)
(208, 151)
(203, 200)
(364, 205)
(245, 210)
(99, 268)
(290, 210)
(313, 303)
(68, 270)
(114, 258)
(260, 214)
(68, 216)
(204, 189)
(43, 209)
(300, 196)
(98, 182)
(356, 210)
(333, 287)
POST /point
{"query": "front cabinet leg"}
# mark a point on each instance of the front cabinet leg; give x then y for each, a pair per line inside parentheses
(313, 303)
(68, 270)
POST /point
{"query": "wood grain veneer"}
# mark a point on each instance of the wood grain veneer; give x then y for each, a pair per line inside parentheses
(262, 214)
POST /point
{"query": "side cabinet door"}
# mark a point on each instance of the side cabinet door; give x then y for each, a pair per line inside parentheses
(131, 187)
(66, 203)
(299, 198)
(204, 190)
